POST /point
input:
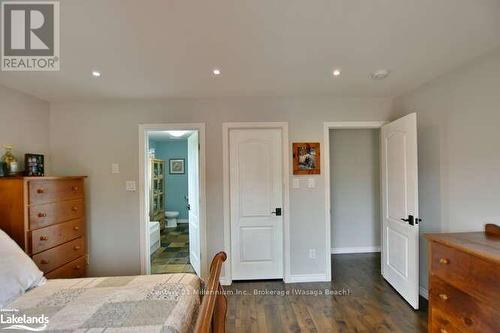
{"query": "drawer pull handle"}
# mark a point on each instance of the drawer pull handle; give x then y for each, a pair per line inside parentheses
(74, 208)
(40, 215)
(44, 262)
(77, 267)
(76, 228)
(444, 261)
(444, 297)
(76, 248)
(74, 188)
(40, 190)
(443, 330)
(44, 238)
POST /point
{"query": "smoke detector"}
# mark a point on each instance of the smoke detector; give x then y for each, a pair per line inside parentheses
(380, 74)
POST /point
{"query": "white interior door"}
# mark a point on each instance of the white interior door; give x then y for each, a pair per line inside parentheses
(256, 195)
(194, 201)
(400, 207)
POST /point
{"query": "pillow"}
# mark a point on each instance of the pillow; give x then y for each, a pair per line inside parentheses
(18, 273)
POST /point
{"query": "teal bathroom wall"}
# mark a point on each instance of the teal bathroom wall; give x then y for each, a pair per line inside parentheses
(176, 185)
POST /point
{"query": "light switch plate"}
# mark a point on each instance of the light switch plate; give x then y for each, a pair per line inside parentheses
(311, 183)
(130, 186)
(115, 168)
(296, 183)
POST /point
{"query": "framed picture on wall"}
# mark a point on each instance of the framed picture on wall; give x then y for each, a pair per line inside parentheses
(176, 166)
(306, 158)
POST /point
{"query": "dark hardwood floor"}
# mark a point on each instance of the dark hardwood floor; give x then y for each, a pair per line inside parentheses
(365, 303)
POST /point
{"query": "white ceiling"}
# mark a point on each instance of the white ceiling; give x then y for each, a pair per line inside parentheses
(164, 49)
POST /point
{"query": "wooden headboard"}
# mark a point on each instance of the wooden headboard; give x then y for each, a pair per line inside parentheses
(213, 309)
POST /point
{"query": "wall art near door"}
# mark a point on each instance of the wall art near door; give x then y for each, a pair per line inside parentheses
(34, 165)
(306, 158)
(177, 166)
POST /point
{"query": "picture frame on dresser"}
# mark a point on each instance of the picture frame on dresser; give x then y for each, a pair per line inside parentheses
(34, 165)
(46, 217)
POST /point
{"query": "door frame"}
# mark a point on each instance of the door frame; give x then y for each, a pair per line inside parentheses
(226, 127)
(144, 130)
(327, 126)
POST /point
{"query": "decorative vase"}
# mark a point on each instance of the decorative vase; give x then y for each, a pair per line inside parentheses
(9, 161)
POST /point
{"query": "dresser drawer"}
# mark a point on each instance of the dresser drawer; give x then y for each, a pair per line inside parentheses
(465, 312)
(46, 238)
(47, 214)
(441, 323)
(469, 273)
(44, 191)
(58, 256)
(73, 269)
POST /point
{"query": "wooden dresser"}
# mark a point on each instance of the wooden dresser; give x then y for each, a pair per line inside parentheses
(464, 281)
(46, 217)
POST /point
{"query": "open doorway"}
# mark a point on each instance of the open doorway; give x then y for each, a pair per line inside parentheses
(355, 205)
(352, 198)
(355, 190)
(172, 198)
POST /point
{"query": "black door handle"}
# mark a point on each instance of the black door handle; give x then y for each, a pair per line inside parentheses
(277, 212)
(410, 220)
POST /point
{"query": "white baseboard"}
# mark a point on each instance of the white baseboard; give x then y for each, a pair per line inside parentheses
(298, 278)
(360, 249)
(424, 292)
(182, 221)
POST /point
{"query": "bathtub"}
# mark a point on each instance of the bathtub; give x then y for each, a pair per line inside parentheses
(154, 236)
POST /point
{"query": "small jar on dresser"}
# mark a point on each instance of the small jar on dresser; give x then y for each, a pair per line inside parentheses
(46, 217)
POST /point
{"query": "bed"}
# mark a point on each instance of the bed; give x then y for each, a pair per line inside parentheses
(145, 303)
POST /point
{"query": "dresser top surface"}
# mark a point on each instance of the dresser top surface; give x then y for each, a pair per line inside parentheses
(479, 244)
(41, 178)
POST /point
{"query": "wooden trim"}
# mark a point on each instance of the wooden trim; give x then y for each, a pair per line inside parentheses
(213, 309)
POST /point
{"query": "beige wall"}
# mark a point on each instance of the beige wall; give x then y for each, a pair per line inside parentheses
(355, 188)
(459, 160)
(87, 137)
(459, 149)
(24, 122)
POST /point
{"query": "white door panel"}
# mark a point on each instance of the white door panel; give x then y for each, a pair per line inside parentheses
(194, 201)
(400, 257)
(256, 189)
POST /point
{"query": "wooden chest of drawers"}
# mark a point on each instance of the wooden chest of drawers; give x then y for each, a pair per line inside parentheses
(46, 217)
(464, 282)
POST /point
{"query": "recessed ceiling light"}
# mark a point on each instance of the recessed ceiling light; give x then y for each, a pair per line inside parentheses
(216, 71)
(336, 72)
(96, 73)
(380, 74)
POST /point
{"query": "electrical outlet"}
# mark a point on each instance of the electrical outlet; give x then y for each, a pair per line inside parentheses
(312, 253)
